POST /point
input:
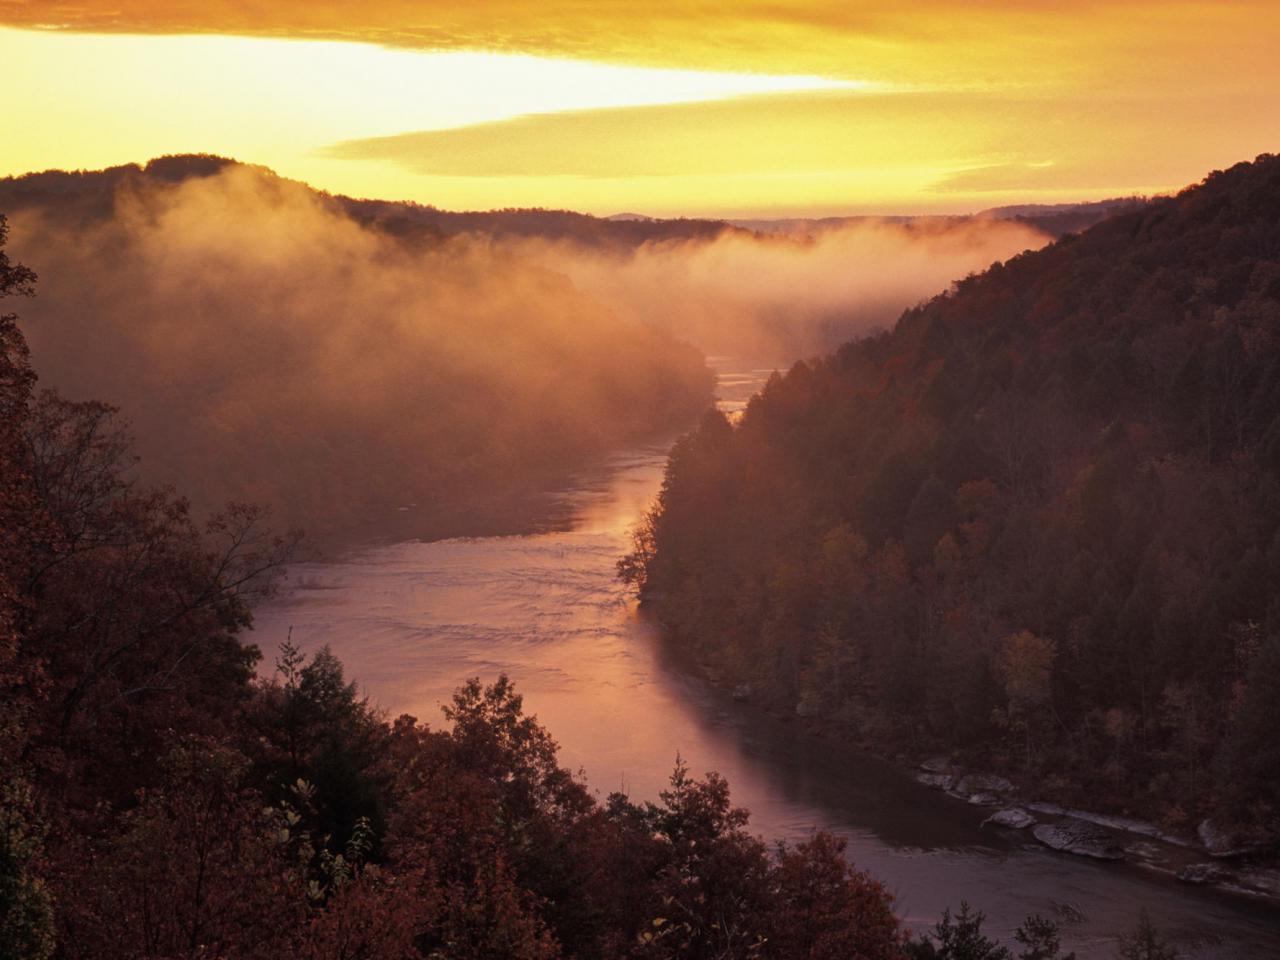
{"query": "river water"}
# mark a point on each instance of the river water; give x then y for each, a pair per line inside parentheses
(411, 620)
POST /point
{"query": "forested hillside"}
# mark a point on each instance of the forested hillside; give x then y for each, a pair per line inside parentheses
(1054, 219)
(1036, 524)
(268, 345)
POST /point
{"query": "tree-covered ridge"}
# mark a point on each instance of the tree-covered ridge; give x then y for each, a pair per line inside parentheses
(1038, 522)
(92, 195)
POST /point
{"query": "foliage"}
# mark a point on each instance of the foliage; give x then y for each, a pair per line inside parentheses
(310, 725)
(1037, 523)
(193, 810)
(1038, 937)
(159, 801)
(26, 909)
(1145, 943)
(959, 937)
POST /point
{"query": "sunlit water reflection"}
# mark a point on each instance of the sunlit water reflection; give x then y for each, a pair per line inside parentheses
(411, 620)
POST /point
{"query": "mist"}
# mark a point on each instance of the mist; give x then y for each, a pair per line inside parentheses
(776, 298)
(267, 348)
(266, 344)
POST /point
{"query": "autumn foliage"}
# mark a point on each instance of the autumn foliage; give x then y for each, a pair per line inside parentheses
(1037, 523)
(157, 800)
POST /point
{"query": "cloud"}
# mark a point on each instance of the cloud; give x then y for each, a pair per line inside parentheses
(1119, 97)
(985, 42)
(784, 133)
(950, 144)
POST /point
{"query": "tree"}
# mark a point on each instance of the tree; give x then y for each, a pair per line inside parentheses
(311, 724)
(131, 609)
(1025, 663)
(1108, 437)
(194, 868)
(1251, 754)
(712, 879)
(928, 519)
(633, 567)
(486, 823)
(1038, 937)
(26, 907)
(1145, 943)
(827, 910)
(959, 938)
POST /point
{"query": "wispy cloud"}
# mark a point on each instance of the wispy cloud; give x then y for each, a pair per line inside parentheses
(853, 148)
(1005, 41)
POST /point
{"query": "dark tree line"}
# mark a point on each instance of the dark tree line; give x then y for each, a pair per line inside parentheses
(86, 196)
(1036, 523)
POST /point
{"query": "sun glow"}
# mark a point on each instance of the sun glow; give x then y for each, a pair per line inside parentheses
(91, 99)
(768, 107)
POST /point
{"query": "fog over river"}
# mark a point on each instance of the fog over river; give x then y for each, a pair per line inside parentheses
(412, 620)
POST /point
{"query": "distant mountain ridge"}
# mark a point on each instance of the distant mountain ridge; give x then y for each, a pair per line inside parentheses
(92, 192)
(1053, 219)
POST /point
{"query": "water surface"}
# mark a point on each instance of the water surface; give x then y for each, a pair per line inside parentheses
(412, 620)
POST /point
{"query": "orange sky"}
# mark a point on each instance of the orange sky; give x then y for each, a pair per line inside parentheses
(744, 108)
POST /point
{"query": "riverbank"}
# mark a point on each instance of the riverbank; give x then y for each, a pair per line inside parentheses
(413, 618)
(1210, 857)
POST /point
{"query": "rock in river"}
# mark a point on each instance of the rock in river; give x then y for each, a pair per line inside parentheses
(1013, 817)
(1078, 837)
(982, 783)
(1221, 842)
(1205, 873)
(940, 781)
(808, 708)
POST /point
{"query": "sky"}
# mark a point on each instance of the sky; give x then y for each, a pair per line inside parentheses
(748, 109)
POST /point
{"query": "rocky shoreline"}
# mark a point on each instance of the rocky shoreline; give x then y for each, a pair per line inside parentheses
(1213, 857)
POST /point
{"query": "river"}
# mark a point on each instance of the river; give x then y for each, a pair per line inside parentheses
(411, 620)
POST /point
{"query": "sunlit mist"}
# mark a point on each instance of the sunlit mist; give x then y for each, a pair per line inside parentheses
(282, 101)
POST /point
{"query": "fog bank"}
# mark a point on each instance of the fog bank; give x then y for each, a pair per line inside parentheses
(266, 347)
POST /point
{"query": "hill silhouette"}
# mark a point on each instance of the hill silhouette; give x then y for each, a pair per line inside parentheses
(93, 194)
